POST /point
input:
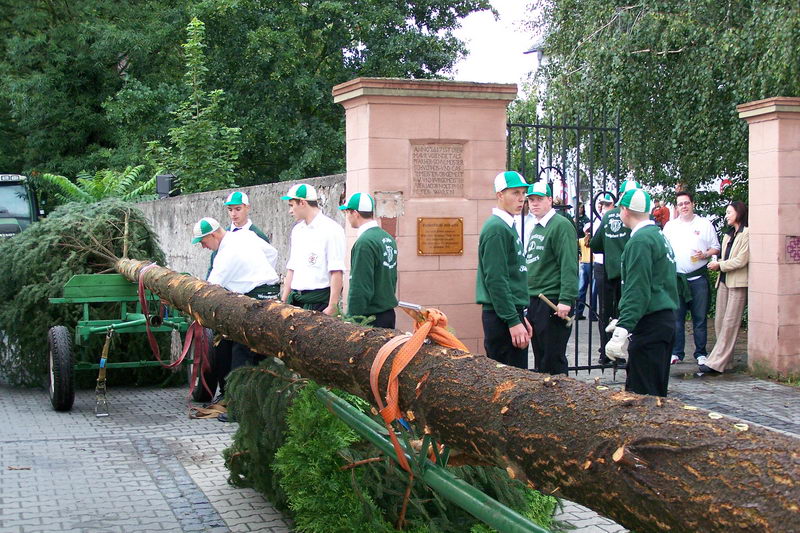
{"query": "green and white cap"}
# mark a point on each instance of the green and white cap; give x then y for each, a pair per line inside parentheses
(636, 200)
(237, 198)
(628, 185)
(606, 199)
(507, 180)
(301, 191)
(540, 188)
(205, 226)
(359, 201)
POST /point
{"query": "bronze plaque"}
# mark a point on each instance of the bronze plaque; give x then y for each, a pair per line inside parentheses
(437, 170)
(440, 236)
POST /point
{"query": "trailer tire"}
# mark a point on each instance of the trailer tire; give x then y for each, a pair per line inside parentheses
(62, 368)
(199, 393)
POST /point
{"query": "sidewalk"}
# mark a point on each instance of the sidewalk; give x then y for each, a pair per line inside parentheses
(148, 467)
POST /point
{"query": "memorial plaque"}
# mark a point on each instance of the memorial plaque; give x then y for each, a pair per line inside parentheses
(437, 170)
(440, 236)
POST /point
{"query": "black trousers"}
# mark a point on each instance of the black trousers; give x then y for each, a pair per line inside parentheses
(609, 308)
(599, 274)
(550, 337)
(649, 353)
(497, 341)
(230, 355)
(385, 319)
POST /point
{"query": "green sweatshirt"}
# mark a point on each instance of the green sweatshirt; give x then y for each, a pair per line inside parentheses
(648, 277)
(610, 239)
(553, 261)
(502, 274)
(252, 228)
(373, 274)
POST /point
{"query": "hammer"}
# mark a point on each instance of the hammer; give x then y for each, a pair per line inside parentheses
(553, 306)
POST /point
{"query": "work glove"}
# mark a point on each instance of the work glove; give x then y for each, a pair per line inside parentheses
(612, 326)
(617, 347)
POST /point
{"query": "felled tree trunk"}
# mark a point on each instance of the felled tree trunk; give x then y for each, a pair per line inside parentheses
(652, 464)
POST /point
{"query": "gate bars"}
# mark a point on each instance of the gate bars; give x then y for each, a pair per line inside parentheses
(581, 161)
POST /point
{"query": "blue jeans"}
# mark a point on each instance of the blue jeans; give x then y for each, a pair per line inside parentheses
(699, 310)
(583, 282)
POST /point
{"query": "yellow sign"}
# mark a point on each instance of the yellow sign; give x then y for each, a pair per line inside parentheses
(440, 236)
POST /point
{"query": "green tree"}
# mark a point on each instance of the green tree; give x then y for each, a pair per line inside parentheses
(676, 70)
(203, 152)
(127, 185)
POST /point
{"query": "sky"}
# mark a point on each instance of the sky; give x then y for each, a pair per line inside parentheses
(497, 46)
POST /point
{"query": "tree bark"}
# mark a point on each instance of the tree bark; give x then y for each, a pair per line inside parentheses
(652, 464)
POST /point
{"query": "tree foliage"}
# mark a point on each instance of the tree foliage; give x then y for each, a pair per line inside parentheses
(676, 70)
(202, 151)
(127, 185)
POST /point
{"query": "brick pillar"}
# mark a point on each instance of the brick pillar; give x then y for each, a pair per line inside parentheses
(456, 134)
(774, 200)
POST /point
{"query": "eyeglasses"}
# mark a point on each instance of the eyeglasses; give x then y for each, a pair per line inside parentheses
(681, 204)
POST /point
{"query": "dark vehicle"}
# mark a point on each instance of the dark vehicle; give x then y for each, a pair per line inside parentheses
(18, 207)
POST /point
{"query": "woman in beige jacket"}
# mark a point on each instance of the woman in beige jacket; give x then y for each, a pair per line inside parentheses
(731, 289)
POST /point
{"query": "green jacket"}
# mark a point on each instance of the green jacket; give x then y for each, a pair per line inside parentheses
(255, 229)
(552, 261)
(502, 274)
(373, 274)
(649, 283)
(610, 239)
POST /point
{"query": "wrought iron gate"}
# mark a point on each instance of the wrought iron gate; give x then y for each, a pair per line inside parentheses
(581, 162)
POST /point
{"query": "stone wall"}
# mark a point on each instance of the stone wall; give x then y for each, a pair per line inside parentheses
(173, 218)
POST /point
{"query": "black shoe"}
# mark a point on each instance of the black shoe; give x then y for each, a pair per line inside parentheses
(218, 398)
(707, 370)
(594, 318)
(580, 317)
(223, 417)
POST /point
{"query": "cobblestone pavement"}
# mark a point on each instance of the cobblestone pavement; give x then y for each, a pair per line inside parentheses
(148, 467)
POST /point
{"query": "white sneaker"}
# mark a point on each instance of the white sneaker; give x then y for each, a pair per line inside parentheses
(675, 360)
(702, 360)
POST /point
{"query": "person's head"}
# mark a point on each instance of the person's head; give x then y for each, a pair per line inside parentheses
(208, 233)
(581, 210)
(684, 201)
(540, 199)
(634, 207)
(359, 209)
(736, 214)
(238, 205)
(605, 202)
(302, 201)
(509, 189)
(627, 185)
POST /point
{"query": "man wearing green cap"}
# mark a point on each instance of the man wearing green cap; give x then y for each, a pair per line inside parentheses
(501, 285)
(238, 205)
(609, 240)
(552, 272)
(373, 264)
(316, 254)
(646, 327)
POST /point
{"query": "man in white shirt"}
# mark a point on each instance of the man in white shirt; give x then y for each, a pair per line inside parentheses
(694, 241)
(244, 264)
(238, 206)
(316, 257)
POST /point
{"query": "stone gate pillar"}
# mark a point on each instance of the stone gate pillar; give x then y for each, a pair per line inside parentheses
(428, 151)
(773, 342)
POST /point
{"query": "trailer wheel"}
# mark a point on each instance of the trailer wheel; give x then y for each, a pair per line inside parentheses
(199, 393)
(62, 368)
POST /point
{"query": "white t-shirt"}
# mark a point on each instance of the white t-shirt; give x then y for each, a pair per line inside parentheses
(688, 238)
(244, 261)
(317, 249)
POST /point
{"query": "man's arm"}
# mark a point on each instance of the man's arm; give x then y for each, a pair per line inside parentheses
(336, 292)
(287, 285)
(596, 244)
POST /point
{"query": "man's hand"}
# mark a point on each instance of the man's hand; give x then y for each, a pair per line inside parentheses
(563, 311)
(612, 326)
(713, 265)
(617, 347)
(520, 334)
(330, 310)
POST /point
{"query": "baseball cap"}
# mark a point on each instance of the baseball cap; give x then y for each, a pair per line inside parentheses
(359, 201)
(540, 188)
(237, 198)
(204, 226)
(301, 191)
(507, 180)
(628, 185)
(606, 199)
(636, 200)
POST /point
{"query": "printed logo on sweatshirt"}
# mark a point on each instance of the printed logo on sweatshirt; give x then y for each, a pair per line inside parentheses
(389, 253)
(615, 224)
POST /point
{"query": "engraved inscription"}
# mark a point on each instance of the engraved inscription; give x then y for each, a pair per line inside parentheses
(437, 170)
(440, 236)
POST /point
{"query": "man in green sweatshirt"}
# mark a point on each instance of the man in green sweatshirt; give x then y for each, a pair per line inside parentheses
(502, 276)
(373, 264)
(649, 300)
(552, 263)
(610, 239)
